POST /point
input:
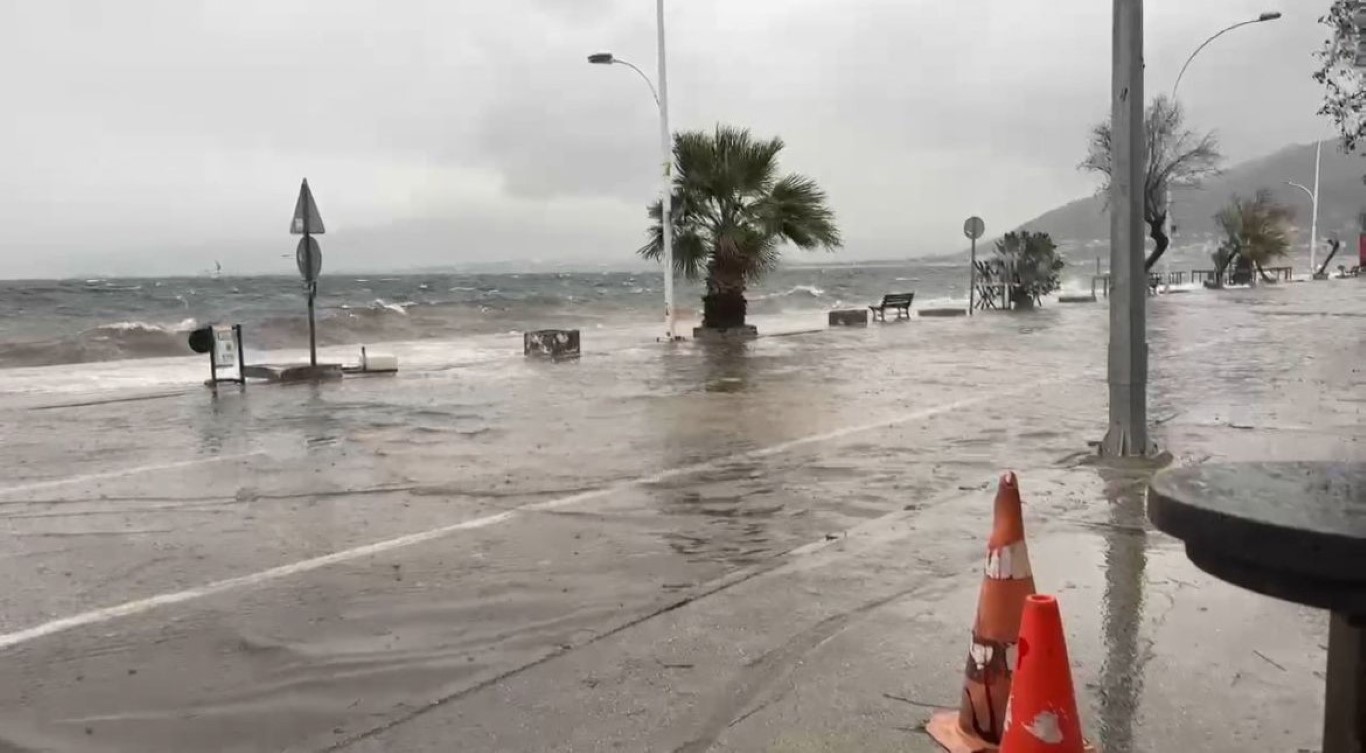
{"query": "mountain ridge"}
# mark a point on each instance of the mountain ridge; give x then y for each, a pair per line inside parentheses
(1342, 198)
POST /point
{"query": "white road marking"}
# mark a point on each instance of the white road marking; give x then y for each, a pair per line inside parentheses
(140, 606)
(128, 609)
(122, 472)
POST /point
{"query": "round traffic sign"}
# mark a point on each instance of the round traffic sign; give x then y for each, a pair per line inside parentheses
(974, 227)
(309, 257)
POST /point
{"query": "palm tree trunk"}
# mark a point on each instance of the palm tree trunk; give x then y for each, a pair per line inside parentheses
(724, 305)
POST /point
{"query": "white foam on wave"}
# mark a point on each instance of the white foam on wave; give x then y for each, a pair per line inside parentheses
(184, 325)
(397, 308)
(795, 290)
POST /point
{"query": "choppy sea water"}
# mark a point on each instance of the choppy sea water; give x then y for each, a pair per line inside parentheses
(48, 322)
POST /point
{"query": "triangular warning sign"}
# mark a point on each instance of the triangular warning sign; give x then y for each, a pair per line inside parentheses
(306, 217)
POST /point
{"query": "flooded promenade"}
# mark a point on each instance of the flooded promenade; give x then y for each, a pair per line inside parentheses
(772, 546)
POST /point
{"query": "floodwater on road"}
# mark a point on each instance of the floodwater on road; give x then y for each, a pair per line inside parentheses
(651, 548)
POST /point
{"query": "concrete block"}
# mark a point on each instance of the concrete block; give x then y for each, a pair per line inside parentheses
(290, 373)
(376, 363)
(747, 332)
(849, 318)
(941, 313)
(551, 343)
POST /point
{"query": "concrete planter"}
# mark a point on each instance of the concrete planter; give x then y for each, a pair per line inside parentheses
(551, 343)
(729, 334)
(849, 318)
(294, 373)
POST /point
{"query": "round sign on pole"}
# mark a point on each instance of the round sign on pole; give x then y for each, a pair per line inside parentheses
(974, 227)
(309, 257)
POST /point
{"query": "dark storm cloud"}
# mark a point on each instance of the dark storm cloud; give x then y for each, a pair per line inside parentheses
(146, 132)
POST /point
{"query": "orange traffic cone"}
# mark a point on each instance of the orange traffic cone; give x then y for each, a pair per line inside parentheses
(980, 721)
(1042, 715)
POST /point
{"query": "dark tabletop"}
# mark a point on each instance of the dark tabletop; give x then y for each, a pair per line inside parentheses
(1296, 531)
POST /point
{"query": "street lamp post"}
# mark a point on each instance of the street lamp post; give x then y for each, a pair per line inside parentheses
(1314, 202)
(1167, 191)
(661, 96)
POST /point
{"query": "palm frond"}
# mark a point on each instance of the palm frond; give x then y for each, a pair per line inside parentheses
(796, 210)
(1258, 228)
(690, 248)
(731, 212)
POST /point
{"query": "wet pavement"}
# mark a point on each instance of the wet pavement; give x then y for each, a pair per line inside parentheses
(772, 546)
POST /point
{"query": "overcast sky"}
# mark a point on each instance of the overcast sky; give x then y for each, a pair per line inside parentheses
(153, 136)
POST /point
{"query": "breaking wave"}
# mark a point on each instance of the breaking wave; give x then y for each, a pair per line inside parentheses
(796, 291)
(49, 322)
(107, 342)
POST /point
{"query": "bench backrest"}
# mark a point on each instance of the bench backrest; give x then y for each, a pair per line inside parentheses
(897, 299)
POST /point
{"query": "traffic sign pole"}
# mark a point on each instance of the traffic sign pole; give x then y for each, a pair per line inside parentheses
(972, 280)
(312, 328)
(308, 257)
(973, 228)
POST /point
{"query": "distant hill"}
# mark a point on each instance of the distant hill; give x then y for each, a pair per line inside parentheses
(1342, 197)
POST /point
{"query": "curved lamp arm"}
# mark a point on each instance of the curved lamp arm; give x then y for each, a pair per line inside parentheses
(1307, 192)
(607, 58)
(653, 92)
(1259, 19)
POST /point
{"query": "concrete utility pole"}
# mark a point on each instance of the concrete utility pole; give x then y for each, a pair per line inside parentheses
(1128, 372)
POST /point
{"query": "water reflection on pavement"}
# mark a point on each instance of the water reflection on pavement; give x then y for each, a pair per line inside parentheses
(651, 548)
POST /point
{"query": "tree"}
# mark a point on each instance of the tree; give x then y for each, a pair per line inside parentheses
(1344, 95)
(731, 214)
(1177, 157)
(1257, 231)
(1032, 264)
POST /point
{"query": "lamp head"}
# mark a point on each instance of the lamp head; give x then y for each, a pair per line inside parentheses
(602, 58)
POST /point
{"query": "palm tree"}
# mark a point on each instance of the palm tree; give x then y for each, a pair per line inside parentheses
(1257, 230)
(731, 214)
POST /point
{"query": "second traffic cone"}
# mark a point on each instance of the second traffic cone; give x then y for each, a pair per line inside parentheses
(1008, 579)
(1042, 716)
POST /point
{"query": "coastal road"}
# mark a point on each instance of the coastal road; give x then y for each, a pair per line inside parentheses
(771, 546)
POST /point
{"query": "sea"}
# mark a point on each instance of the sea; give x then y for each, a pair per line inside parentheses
(51, 322)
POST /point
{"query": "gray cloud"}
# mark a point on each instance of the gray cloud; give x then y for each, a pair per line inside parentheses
(145, 135)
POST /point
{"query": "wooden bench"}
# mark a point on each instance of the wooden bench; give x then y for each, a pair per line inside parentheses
(901, 302)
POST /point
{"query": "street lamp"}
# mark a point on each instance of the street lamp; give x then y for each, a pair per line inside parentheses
(607, 58)
(661, 96)
(1263, 18)
(1314, 200)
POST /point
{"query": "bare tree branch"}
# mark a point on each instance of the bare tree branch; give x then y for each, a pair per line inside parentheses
(1175, 156)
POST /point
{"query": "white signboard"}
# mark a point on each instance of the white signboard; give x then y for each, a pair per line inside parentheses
(224, 348)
